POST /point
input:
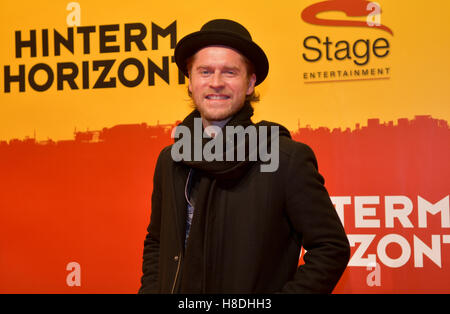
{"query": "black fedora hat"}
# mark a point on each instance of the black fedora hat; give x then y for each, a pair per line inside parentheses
(227, 33)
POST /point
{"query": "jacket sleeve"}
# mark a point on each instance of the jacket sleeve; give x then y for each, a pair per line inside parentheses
(150, 265)
(317, 224)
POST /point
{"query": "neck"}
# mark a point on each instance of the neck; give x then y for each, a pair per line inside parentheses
(219, 123)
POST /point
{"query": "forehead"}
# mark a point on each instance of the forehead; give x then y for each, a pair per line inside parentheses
(218, 55)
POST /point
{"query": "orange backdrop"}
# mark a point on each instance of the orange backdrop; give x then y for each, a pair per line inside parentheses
(89, 95)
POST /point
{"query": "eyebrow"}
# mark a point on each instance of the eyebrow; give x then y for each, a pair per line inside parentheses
(234, 68)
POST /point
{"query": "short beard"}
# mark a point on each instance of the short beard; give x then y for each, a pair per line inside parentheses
(220, 115)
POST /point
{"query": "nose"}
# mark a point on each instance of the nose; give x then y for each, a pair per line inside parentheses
(216, 80)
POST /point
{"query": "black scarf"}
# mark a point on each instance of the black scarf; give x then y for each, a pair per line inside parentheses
(210, 173)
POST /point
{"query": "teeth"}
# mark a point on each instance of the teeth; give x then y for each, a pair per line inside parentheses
(216, 97)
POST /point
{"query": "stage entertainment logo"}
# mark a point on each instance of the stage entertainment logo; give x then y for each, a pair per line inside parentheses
(340, 60)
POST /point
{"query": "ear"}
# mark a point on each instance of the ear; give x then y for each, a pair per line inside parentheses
(189, 85)
(251, 84)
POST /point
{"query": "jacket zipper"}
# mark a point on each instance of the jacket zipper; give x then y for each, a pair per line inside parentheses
(176, 274)
(180, 255)
(205, 239)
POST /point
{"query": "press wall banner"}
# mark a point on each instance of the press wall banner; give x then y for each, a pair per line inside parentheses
(90, 94)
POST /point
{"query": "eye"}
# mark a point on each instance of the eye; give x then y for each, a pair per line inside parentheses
(204, 72)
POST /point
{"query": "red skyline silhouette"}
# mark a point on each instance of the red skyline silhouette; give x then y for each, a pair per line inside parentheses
(88, 199)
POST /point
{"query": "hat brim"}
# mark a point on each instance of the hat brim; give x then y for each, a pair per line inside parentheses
(192, 43)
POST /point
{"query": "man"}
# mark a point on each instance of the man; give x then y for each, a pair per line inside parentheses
(227, 226)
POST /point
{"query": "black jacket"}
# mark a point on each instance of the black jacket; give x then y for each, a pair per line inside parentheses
(262, 221)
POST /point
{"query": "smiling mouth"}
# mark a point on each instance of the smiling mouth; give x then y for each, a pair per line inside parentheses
(217, 97)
